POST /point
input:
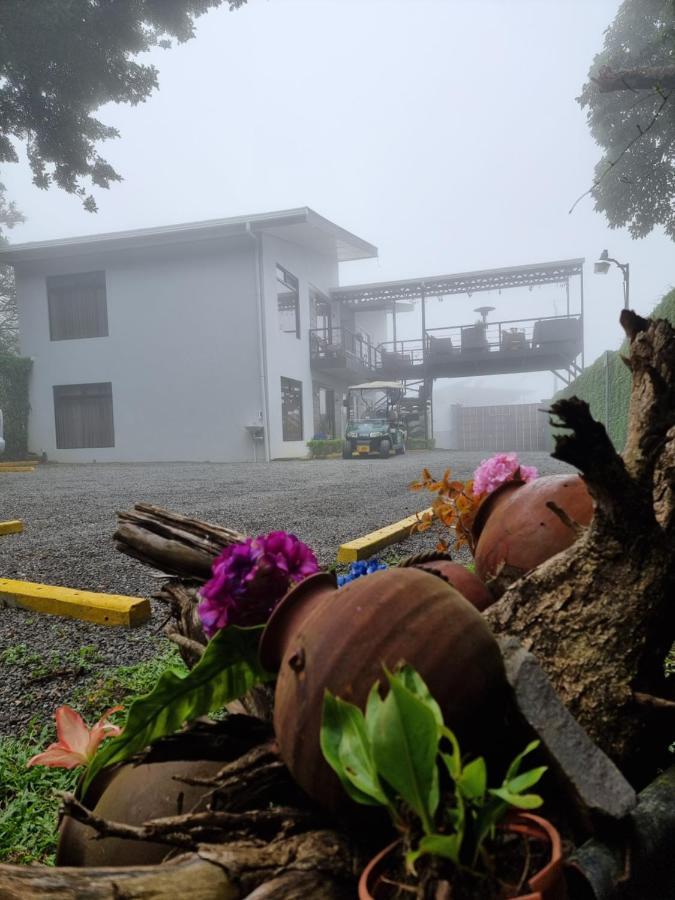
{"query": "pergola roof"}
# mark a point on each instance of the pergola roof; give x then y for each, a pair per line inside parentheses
(381, 295)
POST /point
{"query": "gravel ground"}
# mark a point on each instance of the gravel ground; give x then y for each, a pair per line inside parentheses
(69, 516)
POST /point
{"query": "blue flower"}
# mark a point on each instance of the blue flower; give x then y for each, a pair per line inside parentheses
(360, 568)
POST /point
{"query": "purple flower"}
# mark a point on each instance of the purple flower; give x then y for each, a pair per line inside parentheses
(499, 469)
(249, 578)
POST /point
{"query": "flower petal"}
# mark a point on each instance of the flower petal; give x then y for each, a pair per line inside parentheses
(59, 757)
(71, 731)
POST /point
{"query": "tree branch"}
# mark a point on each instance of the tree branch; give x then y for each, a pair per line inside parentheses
(641, 78)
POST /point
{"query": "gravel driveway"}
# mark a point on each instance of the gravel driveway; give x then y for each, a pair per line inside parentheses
(69, 516)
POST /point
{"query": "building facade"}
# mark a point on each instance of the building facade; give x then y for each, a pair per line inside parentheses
(190, 342)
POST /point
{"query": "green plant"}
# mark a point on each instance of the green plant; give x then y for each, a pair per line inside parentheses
(14, 380)
(228, 668)
(320, 449)
(400, 755)
(28, 802)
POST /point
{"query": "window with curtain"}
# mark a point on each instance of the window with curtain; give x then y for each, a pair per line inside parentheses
(291, 409)
(77, 306)
(84, 415)
(288, 302)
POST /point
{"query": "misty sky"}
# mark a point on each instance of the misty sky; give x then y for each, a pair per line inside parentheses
(445, 132)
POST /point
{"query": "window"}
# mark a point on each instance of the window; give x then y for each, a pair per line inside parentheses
(84, 415)
(291, 409)
(77, 306)
(324, 412)
(288, 302)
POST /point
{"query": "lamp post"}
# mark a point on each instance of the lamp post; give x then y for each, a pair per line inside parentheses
(601, 267)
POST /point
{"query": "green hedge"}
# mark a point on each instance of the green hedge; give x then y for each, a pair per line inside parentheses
(322, 449)
(14, 381)
(605, 385)
(417, 443)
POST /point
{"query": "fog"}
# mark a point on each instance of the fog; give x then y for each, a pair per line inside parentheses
(445, 132)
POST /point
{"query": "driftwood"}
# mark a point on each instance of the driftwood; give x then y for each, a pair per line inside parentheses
(600, 617)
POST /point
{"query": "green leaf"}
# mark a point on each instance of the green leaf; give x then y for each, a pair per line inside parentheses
(452, 761)
(521, 801)
(526, 780)
(228, 668)
(473, 780)
(373, 705)
(405, 743)
(414, 682)
(515, 765)
(346, 748)
(446, 845)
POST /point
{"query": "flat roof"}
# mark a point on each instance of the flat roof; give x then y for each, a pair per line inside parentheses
(302, 226)
(381, 295)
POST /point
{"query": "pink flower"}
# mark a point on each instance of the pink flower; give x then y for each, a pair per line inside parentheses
(499, 469)
(249, 578)
(77, 744)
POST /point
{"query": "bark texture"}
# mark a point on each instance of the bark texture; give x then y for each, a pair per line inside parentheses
(600, 617)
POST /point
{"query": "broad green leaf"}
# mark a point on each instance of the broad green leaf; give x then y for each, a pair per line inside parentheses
(472, 783)
(515, 765)
(228, 668)
(526, 780)
(417, 686)
(453, 761)
(373, 705)
(521, 801)
(347, 750)
(405, 743)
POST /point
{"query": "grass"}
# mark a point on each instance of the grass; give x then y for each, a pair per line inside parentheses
(39, 668)
(28, 802)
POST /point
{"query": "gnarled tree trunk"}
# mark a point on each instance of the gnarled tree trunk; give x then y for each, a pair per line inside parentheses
(600, 617)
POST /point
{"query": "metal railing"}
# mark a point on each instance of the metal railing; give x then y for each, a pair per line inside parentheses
(338, 343)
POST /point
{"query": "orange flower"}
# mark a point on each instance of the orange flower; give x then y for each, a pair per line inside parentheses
(77, 744)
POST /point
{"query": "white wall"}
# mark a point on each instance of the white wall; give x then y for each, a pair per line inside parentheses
(182, 352)
(287, 355)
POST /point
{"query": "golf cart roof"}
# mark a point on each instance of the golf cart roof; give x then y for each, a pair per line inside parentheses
(377, 386)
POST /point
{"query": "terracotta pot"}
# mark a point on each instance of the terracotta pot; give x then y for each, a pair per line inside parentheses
(134, 793)
(515, 528)
(467, 583)
(546, 884)
(341, 645)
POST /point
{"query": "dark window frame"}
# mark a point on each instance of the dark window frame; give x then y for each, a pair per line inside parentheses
(291, 430)
(83, 426)
(288, 281)
(73, 315)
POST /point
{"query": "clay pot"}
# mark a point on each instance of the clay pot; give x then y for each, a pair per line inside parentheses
(467, 583)
(343, 641)
(134, 793)
(546, 884)
(515, 528)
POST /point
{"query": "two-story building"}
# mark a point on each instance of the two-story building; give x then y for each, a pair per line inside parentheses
(188, 342)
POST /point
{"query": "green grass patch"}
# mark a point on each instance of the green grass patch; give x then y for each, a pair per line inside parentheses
(28, 803)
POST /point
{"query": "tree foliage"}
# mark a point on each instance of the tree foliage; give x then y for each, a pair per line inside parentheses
(60, 60)
(9, 322)
(635, 126)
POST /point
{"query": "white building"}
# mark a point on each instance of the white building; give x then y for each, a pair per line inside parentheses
(166, 343)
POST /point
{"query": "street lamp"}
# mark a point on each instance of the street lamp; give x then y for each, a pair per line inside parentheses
(601, 267)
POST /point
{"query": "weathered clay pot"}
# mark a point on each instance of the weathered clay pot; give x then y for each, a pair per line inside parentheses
(457, 575)
(514, 528)
(546, 884)
(392, 616)
(134, 793)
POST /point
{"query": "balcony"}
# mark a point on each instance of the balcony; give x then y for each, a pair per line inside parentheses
(494, 348)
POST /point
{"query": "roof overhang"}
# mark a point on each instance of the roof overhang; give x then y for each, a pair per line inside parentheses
(383, 294)
(300, 226)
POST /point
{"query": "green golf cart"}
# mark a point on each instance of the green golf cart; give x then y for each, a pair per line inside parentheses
(374, 425)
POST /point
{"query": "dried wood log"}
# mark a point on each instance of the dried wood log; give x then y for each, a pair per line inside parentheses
(170, 542)
(600, 617)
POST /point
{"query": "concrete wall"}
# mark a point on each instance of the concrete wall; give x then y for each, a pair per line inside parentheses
(182, 352)
(287, 355)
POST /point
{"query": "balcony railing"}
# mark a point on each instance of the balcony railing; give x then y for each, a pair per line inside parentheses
(548, 337)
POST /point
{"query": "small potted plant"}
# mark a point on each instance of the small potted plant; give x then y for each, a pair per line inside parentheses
(457, 836)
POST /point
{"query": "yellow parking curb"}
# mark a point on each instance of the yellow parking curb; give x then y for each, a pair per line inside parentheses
(102, 609)
(366, 546)
(14, 526)
(17, 468)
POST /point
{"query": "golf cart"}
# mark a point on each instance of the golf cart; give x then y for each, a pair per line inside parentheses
(373, 420)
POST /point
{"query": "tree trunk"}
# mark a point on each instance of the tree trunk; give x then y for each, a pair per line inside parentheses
(600, 617)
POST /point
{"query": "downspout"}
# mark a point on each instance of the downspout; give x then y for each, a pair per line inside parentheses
(262, 342)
